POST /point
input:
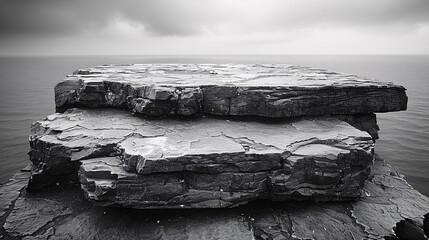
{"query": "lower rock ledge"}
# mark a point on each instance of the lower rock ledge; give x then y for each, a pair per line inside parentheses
(63, 214)
(204, 163)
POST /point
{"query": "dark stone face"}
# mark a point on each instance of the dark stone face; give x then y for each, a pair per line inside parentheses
(408, 230)
(426, 225)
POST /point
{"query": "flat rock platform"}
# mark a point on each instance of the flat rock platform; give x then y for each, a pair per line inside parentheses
(269, 90)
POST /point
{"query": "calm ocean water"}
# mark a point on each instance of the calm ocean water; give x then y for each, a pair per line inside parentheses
(27, 83)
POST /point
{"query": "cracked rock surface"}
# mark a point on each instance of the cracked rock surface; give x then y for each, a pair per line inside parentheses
(387, 199)
(11, 189)
(202, 163)
(269, 90)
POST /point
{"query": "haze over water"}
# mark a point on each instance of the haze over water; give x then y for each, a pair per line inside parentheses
(27, 95)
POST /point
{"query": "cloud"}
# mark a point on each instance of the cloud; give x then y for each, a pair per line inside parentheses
(251, 22)
(62, 17)
(194, 17)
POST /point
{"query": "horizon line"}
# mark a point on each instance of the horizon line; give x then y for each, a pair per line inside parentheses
(214, 54)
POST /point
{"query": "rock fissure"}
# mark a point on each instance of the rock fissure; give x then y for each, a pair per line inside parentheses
(248, 143)
(355, 221)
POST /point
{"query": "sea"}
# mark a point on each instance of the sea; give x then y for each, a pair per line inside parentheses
(27, 95)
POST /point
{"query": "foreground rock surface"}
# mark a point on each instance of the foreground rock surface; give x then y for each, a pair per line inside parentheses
(274, 90)
(62, 213)
(202, 163)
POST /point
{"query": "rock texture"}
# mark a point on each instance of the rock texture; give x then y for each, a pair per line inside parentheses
(240, 90)
(141, 163)
(364, 122)
(11, 189)
(38, 213)
(387, 199)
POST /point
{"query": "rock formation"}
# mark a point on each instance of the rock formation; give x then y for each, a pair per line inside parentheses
(282, 135)
(176, 137)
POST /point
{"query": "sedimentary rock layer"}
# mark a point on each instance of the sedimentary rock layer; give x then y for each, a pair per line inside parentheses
(364, 122)
(59, 214)
(274, 90)
(205, 162)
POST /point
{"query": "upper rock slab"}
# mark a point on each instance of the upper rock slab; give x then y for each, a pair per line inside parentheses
(274, 90)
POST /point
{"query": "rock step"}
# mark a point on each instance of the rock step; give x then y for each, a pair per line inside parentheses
(202, 162)
(270, 90)
(58, 214)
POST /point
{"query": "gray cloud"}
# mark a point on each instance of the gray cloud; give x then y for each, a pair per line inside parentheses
(70, 17)
(195, 17)
(213, 26)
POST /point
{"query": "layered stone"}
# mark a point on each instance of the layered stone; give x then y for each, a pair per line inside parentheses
(58, 213)
(205, 162)
(272, 90)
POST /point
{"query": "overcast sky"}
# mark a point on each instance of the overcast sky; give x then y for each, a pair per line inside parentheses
(65, 27)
